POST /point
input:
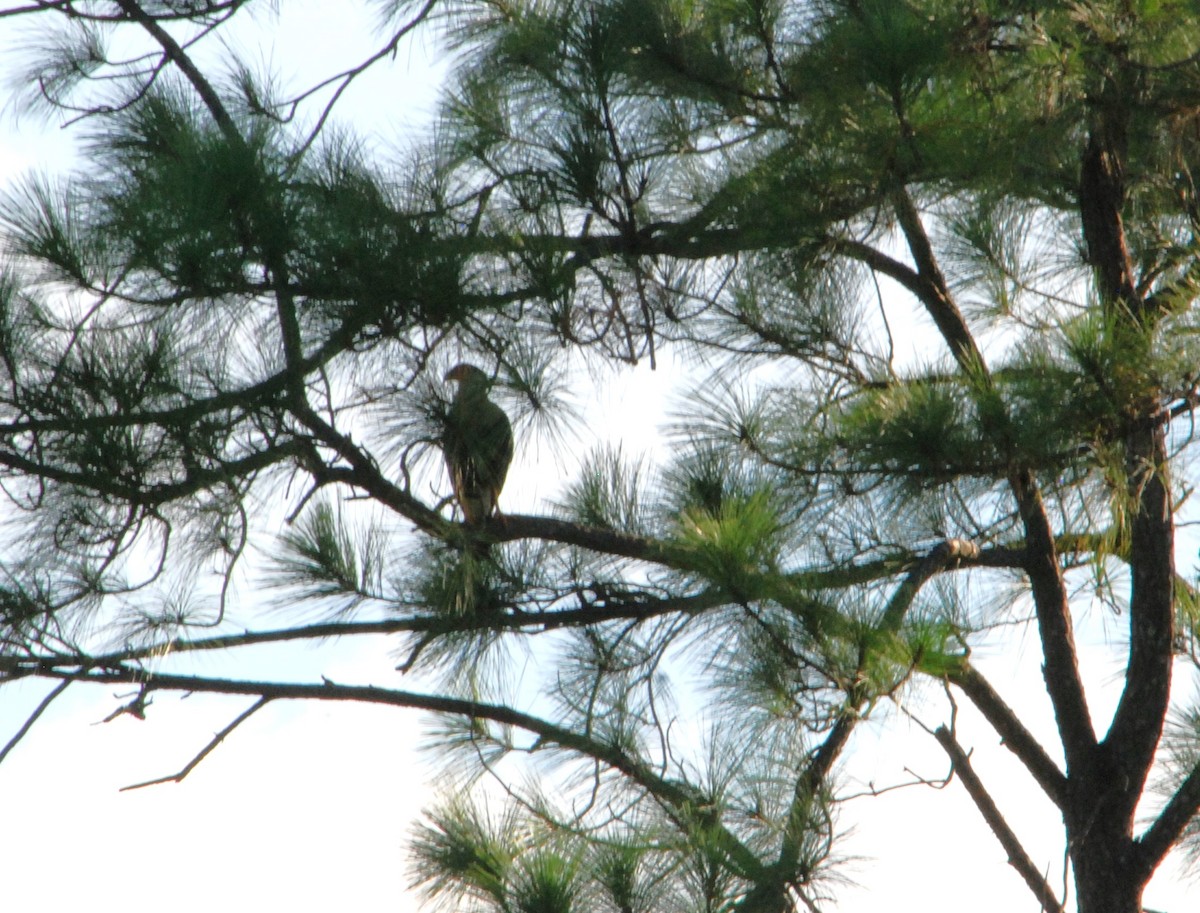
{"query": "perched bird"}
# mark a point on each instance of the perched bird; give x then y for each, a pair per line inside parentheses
(478, 444)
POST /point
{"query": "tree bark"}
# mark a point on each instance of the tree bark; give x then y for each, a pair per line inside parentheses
(1106, 875)
(1104, 785)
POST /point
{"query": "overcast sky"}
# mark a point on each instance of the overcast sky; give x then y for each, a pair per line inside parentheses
(306, 808)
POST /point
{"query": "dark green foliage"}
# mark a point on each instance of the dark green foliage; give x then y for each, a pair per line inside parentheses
(194, 209)
(920, 430)
(321, 557)
(608, 493)
(546, 882)
(462, 852)
(458, 582)
(363, 263)
(621, 871)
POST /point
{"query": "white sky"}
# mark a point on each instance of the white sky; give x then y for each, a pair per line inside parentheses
(306, 807)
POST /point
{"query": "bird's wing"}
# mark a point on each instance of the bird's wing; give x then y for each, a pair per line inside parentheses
(478, 444)
(495, 451)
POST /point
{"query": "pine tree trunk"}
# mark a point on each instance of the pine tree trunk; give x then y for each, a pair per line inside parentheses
(1104, 880)
(1108, 878)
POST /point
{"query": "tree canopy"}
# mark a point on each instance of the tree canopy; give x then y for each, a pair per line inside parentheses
(934, 263)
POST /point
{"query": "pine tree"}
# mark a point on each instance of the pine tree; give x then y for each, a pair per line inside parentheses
(229, 314)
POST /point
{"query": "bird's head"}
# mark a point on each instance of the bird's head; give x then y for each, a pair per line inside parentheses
(469, 377)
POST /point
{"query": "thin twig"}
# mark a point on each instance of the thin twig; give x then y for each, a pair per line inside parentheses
(872, 791)
(346, 77)
(204, 752)
(33, 717)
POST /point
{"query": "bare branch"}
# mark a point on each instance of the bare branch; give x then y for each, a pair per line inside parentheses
(1138, 720)
(345, 78)
(675, 795)
(951, 552)
(206, 750)
(33, 718)
(1013, 734)
(1017, 857)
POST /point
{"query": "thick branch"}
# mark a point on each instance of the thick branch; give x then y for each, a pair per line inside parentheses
(513, 527)
(1101, 199)
(1137, 723)
(880, 262)
(1061, 670)
(932, 291)
(946, 554)
(514, 620)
